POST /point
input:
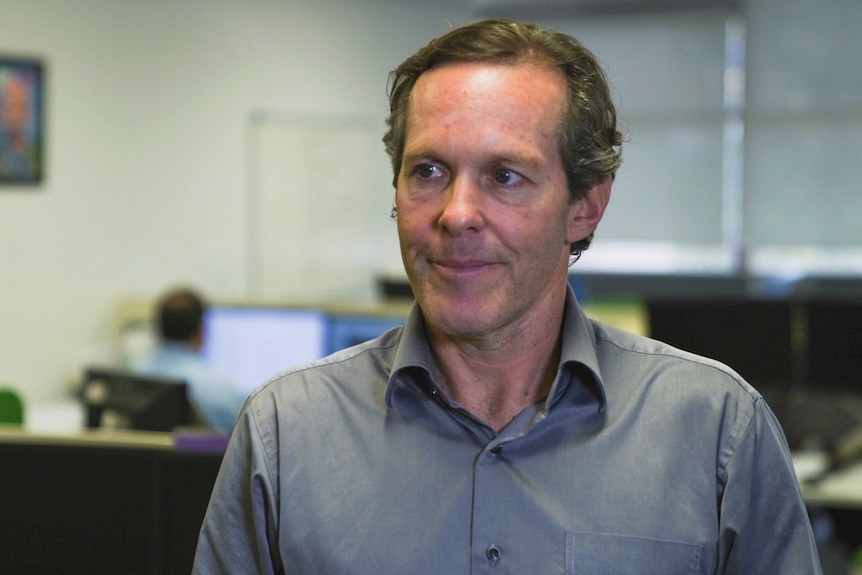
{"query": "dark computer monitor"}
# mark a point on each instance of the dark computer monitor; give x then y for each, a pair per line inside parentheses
(833, 342)
(124, 400)
(753, 336)
(826, 408)
(802, 355)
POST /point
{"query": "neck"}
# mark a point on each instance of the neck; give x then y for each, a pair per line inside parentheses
(496, 383)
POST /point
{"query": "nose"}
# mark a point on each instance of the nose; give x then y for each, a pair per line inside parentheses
(462, 208)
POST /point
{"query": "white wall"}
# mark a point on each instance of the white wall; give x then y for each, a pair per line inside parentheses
(146, 160)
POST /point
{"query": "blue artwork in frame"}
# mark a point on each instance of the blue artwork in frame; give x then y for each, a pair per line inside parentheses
(22, 128)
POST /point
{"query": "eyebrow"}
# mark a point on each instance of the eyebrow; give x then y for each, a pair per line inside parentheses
(529, 161)
(416, 156)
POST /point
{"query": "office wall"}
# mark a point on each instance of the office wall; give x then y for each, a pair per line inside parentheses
(147, 112)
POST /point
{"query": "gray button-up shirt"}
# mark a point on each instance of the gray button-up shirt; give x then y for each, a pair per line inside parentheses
(642, 460)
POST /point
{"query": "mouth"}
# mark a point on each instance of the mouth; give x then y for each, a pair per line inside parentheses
(462, 267)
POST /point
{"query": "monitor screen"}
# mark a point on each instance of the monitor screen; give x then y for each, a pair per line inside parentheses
(122, 400)
(252, 343)
(349, 330)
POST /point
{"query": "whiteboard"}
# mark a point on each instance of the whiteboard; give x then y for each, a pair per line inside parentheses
(319, 198)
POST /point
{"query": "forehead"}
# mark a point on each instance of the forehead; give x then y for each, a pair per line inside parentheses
(502, 82)
(522, 99)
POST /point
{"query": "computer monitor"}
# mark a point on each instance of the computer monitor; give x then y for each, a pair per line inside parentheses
(826, 409)
(752, 336)
(801, 355)
(253, 343)
(834, 337)
(120, 399)
(349, 330)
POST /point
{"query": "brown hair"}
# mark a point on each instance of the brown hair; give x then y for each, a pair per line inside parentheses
(180, 314)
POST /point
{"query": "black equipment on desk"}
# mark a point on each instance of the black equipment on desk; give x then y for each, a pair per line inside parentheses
(124, 400)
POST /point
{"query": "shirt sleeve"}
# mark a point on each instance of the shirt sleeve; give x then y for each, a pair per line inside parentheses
(764, 525)
(239, 535)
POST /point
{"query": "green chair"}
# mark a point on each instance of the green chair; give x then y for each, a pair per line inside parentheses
(11, 407)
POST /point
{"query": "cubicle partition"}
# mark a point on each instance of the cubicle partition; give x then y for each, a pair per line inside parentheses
(102, 502)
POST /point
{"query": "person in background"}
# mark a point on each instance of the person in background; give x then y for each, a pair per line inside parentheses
(212, 394)
(501, 430)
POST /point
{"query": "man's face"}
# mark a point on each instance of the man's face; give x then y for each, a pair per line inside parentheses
(484, 217)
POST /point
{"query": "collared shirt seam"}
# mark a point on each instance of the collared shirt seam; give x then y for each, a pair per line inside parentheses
(325, 361)
(734, 441)
(725, 371)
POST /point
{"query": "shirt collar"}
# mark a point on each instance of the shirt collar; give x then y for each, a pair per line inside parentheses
(413, 363)
(578, 357)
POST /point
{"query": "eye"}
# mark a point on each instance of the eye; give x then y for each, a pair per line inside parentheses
(505, 176)
(426, 171)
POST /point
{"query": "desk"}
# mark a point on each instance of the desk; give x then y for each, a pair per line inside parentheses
(839, 496)
(99, 502)
(840, 489)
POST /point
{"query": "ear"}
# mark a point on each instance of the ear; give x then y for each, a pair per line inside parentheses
(587, 212)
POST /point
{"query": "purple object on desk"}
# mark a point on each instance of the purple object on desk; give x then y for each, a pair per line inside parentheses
(200, 441)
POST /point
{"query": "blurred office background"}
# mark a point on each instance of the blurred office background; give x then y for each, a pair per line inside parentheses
(234, 145)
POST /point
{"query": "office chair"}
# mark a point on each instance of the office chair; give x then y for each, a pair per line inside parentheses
(11, 407)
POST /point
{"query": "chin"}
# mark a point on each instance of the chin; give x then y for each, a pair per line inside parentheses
(457, 317)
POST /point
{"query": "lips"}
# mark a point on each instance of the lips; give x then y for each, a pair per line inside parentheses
(462, 264)
(454, 269)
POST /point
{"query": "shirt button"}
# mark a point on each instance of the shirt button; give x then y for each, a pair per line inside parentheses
(496, 449)
(492, 553)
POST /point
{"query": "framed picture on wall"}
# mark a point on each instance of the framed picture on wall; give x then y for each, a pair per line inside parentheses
(22, 123)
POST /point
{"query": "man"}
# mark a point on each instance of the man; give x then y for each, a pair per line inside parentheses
(213, 395)
(501, 431)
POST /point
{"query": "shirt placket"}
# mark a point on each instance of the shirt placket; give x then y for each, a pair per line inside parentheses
(488, 552)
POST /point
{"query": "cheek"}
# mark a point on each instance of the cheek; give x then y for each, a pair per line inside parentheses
(552, 238)
(409, 234)
(413, 215)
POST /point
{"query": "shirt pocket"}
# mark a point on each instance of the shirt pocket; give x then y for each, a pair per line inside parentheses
(603, 554)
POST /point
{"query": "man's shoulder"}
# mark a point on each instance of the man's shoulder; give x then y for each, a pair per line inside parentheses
(356, 371)
(618, 349)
